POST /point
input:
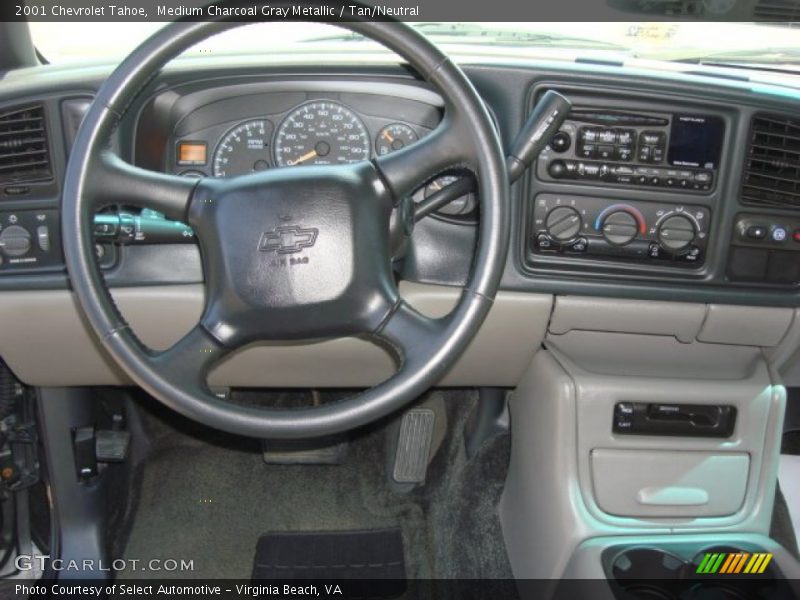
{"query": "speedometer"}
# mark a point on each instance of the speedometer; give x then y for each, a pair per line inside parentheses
(321, 133)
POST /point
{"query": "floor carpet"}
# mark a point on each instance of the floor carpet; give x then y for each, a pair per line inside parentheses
(211, 502)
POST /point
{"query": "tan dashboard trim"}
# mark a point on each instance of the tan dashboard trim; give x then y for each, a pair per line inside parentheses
(46, 341)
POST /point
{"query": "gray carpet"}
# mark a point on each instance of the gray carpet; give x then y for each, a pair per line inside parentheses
(210, 502)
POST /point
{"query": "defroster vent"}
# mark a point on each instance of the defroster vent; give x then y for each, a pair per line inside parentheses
(24, 153)
(772, 168)
(780, 12)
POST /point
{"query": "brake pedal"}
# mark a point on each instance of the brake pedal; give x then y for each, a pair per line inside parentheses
(414, 446)
(304, 452)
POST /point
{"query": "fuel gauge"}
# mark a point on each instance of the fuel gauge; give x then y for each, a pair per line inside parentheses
(394, 137)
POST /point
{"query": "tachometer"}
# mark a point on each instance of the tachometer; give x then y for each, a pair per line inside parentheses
(244, 149)
(321, 133)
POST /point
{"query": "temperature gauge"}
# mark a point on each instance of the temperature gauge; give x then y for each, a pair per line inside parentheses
(394, 137)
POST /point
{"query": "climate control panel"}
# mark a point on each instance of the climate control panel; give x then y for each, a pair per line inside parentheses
(598, 227)
(29, 239)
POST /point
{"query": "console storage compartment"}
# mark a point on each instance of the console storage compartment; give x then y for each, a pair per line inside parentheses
(647, 483)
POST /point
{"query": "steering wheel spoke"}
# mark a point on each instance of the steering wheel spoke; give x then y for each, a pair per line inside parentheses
(115, 181)
(410, 335)
(188, 361)
(448, 146)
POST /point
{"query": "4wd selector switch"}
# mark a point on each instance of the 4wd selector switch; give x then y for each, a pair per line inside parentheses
(15, 240)
(563, 223)
(676, 233)
(620, 228)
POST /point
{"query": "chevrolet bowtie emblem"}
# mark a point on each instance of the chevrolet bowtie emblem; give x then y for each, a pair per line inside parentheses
(287, 239)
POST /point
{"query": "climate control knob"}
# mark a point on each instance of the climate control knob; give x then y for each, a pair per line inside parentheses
(676, 233)
(563, 223)
(619, 228)
(15, 241)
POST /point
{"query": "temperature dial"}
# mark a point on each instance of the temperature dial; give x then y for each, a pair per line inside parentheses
(563, 223)
(619, 228)
(676, 233)
(394, 137)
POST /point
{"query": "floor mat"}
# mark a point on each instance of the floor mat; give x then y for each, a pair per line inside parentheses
(327, 555)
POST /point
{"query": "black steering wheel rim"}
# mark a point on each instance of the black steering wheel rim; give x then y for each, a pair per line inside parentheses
(425, 348)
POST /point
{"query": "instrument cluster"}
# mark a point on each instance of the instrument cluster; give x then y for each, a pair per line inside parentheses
(317, 132)
(321, 131)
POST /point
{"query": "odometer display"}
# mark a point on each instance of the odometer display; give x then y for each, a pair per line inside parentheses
(321, 133)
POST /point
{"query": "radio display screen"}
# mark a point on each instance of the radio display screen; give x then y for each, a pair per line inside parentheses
(695, 141)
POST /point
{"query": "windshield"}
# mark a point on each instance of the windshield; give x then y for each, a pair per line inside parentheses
(723, 43)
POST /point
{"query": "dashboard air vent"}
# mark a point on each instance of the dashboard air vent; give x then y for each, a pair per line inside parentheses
(772, 168)
(785, 12)
(24, 154)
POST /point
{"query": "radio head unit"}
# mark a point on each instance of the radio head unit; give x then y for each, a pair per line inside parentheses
(652, 150)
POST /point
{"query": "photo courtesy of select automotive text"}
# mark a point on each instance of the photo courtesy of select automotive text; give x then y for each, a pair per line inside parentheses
(400, 299)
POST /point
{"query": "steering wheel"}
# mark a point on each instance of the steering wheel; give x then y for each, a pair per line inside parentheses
(298, 253)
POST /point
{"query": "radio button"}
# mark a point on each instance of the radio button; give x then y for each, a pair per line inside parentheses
(558, 169)
(607, 136)
(626, 137)
(651, 138)
(605, 152)
(588, 170)
(560, 142)
(588, 136)
(702, 177)
(624, 153)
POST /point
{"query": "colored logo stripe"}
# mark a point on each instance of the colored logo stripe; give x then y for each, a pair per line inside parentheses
(734, 563)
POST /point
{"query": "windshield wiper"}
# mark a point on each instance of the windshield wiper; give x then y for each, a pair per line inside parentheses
(471, 33)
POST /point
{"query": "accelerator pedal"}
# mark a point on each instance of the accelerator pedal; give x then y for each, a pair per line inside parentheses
(413, 449)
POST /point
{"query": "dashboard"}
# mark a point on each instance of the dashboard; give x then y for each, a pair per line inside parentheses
(670, 187)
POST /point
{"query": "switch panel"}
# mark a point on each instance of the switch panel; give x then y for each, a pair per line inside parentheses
(29, 240)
